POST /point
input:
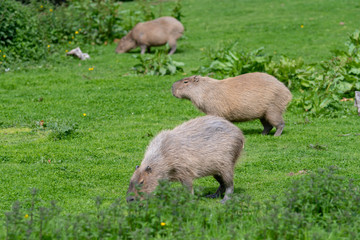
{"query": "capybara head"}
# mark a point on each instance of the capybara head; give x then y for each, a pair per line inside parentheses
(143, 180)
(186, 87)
(125, 44)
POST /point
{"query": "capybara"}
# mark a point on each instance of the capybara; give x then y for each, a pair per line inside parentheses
(152, 33)
(204, 146)
(238, 99)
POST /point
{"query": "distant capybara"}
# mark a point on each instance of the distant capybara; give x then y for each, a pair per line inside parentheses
(205, 146)
(238, 99)
(152, 33)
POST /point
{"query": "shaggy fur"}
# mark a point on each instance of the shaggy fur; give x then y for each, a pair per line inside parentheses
(238, 99)
(205, 146)
(152, 33)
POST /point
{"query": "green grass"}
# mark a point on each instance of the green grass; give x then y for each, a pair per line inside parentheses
(124, 112)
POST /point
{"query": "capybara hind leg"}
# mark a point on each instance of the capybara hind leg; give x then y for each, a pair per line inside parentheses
(267, 126)
(220, 190)
(143, 49)
(228, 185)
(275, 118)
(172, 44)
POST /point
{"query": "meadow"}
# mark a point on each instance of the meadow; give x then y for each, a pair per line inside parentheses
(75, 130)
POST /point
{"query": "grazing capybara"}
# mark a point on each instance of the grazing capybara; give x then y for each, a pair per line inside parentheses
(204, 146)
(152, 33)
(238, 99)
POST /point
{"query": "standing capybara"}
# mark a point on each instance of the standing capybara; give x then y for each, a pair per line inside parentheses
(205, 146)
(238, 99)
(152, 33)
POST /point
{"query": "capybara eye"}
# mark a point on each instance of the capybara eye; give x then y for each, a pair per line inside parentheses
(142, 182)
(137, 167)
(185, 81)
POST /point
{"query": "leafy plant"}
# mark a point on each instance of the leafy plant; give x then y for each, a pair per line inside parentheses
(158, 64)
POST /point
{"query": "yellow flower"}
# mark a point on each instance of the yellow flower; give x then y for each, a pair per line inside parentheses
(26, 216)
(84, 114)
(66, 50)
(302, 26)
(69, 42)
(50, 10)
(41, 6)
(48, 46)
(0, 50)
(162, 224)
(4, 56)
(90, 69)
(76, 32)
(72, 37)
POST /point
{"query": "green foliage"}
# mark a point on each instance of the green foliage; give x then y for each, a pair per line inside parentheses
(159, 64)
(317, 204)
(176, 12)
(62, 131)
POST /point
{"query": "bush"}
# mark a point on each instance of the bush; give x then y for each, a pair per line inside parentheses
(318, 205)
(159, 64)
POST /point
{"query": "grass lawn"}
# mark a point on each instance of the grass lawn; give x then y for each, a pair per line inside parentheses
(97, 153)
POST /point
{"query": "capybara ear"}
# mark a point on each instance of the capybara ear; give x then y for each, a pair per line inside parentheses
(137, 166)
(148, 169)
(196, 78)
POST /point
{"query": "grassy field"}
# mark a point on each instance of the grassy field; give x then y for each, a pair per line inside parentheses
(99, 122)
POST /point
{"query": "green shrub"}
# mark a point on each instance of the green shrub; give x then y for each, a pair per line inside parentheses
(158, 64)
(318, 205)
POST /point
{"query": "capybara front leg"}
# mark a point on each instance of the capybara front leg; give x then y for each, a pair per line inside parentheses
(189, 184)
(267, 126)
(274, 117)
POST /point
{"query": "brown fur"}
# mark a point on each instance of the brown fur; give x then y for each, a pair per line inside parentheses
(152, 33)
(238, 99)
(205, 146)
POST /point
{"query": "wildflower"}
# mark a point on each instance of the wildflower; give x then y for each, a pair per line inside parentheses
(4, 56)
(76, 32)
(302, 26)
(69, 42)
(26, 216)
(66, 50)
(84, 114)
(162, 224)
(48, 46)
(0, 50)
(50, 10)
(91, 69)
(41, 6)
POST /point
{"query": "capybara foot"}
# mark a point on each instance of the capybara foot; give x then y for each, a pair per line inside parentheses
(214, 195)
(279, 130)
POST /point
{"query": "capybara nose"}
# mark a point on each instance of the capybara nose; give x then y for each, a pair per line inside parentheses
(130, 199)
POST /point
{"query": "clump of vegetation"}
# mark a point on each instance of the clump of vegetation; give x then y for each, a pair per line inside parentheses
(320, 204)
(61, 131)
(159, 64)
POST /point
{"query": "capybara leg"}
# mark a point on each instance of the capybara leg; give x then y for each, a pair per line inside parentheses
(220, 190)
(228, 185)
(275, 118)
(188, 183)
(172, 44)
(229, 190)
(267, 126)
(143, 49)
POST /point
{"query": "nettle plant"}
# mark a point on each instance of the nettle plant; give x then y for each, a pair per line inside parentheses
(158, 64)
